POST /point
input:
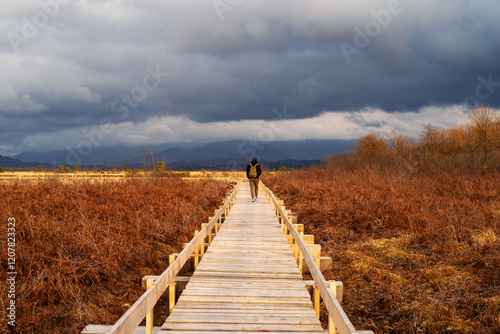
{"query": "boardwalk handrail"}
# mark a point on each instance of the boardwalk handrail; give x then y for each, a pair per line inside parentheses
(335, 311)
(138, 311)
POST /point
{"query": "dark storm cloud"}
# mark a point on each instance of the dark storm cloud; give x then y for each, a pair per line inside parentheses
(230, 61)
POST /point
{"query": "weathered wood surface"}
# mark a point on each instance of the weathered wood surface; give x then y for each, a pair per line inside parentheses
(335, 311)
(247, 281)
(138, 311)
(103, 329)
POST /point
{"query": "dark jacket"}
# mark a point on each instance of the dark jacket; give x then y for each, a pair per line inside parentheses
(259, 170)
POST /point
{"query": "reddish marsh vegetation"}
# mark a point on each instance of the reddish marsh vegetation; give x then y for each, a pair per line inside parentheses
(413, 227)
(416, 254)
(82, 248)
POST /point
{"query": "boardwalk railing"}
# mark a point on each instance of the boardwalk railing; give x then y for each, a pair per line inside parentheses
(338, 319)
(157, 285)
(144, 305)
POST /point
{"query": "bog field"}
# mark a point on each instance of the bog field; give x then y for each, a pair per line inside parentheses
(417, 254)
(82, 247)
(413, 228)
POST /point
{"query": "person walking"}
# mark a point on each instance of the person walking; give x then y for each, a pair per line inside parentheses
(253, 174)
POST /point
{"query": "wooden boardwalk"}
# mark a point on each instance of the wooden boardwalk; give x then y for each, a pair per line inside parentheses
(247, 281)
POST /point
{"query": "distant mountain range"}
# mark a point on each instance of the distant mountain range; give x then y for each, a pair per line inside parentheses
(10, 162)
(233, 154)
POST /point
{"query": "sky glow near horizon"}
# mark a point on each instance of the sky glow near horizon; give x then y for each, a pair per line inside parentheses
(155, 71)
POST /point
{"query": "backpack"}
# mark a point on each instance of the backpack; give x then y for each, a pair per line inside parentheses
(253, 171)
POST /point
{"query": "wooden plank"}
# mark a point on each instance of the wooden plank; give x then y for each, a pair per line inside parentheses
(234, 282)
(229, 332)
(102, 329)
(296, 313)
(255, 275)
(228, 267)
(315, 250)
(217, 288)
(250, 300)
(242, 305)
(219, 268)
(309, 239)
(239, 319)
(256, 269)
(247, 293)
(284, 262)
(298, 227)
(243, 327)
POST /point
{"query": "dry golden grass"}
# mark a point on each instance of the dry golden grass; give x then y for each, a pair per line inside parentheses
(416, 254)
(83, 247)
(97, 176)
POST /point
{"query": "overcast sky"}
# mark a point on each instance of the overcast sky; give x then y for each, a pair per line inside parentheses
(153, 71)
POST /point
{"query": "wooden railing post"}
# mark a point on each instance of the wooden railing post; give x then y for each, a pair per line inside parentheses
(295, 249)
(149, 316)
(202, 249)
(209, 232)
(171, 288)
(338, 291)
(316, 291)
(196, 251)
(301, 256)
(331, 326)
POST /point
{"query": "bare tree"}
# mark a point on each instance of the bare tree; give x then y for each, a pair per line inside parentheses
(482, 122)
(156, 170)
(148, 159)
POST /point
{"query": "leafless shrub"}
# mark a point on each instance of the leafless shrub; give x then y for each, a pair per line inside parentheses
(469, 148)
